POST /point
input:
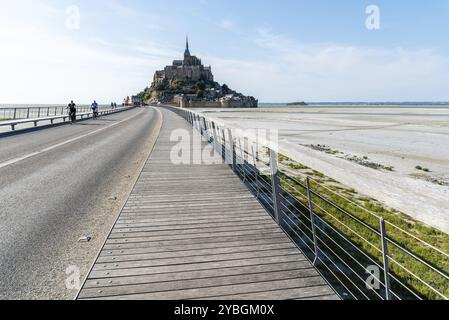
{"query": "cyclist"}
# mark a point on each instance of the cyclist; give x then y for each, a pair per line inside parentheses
(72, 112)
(95, 109)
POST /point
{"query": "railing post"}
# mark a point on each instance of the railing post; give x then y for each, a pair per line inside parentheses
(15, 113)
(200, 123)
(214, 134)
(232, 149)
(312, 219)
(383, 235)
(275, 185)
(223, 144)
(195, 119)
(242, 156)
(28, 113)
(38, 112)
(205, 127)
(255, 171)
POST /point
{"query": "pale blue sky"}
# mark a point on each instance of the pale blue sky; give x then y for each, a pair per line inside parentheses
(274, 50)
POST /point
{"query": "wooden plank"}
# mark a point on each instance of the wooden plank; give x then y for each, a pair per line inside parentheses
(190, 222)
(203, 283)
(181, 242)
(328, 296)
(262, 243)
(318, 291)
(194, 266)
(182, 230)
(197, 274)
(220, 291)
(204, 236)
(192, 253)
(194, 259)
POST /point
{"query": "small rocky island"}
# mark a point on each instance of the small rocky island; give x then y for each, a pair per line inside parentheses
(189, 84)
(302, 103)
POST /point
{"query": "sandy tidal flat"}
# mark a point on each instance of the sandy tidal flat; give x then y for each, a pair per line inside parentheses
(401, 138)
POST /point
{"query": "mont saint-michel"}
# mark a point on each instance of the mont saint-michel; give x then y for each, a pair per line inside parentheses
(188, 83)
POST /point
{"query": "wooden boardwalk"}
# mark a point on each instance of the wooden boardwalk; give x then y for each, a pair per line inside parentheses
(196, 232)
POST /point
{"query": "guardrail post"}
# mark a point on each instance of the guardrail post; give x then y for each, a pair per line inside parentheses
(242, 155)
(214, 134)
(195, 122)
(205, 126)
(223, 144)
(38, 112)
(275, 185)
(28, 113)
(200, 124)
(255, 171)
(383, 235)
(232, 149)
(15, 113)
(312, 219)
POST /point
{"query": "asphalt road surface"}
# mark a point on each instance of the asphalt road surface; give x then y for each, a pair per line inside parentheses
(59, 184)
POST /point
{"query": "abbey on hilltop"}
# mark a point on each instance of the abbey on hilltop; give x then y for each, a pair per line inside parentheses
(188, 83)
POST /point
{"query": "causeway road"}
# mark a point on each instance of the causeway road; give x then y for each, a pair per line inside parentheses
(60, 184)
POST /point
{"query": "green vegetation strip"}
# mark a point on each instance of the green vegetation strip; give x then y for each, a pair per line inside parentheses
(342, 207)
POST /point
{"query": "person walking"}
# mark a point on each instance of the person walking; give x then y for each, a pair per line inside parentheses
(72, 112)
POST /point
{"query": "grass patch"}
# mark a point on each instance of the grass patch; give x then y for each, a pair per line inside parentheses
(422, 169)
(368, 210)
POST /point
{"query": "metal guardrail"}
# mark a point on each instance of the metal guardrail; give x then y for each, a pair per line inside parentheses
(360, 253)
(16, 113)
(64, 117)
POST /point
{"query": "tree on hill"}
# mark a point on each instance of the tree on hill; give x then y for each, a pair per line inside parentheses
(200, 94)
(200, 85)
(225, 89)
(176, 85)
(161, 86)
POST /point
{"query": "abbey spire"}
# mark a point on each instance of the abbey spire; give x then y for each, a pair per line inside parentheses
(187, 52)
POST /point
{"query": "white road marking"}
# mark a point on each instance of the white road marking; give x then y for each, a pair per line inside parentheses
(27, 156)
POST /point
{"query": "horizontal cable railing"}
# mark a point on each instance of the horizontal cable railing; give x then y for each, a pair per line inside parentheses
(363, 254)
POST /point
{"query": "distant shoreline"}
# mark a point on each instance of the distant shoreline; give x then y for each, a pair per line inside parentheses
(356, 105)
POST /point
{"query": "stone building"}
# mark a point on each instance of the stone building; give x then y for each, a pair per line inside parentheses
(188, 83)
(189, 69)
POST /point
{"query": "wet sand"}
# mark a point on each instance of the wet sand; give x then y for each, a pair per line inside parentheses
(402, 138)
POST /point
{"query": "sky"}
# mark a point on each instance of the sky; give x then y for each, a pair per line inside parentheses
(53, 51)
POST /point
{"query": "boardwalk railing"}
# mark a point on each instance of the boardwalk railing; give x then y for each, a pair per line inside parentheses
(63, 117)
(16, 113)
(362, 253)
